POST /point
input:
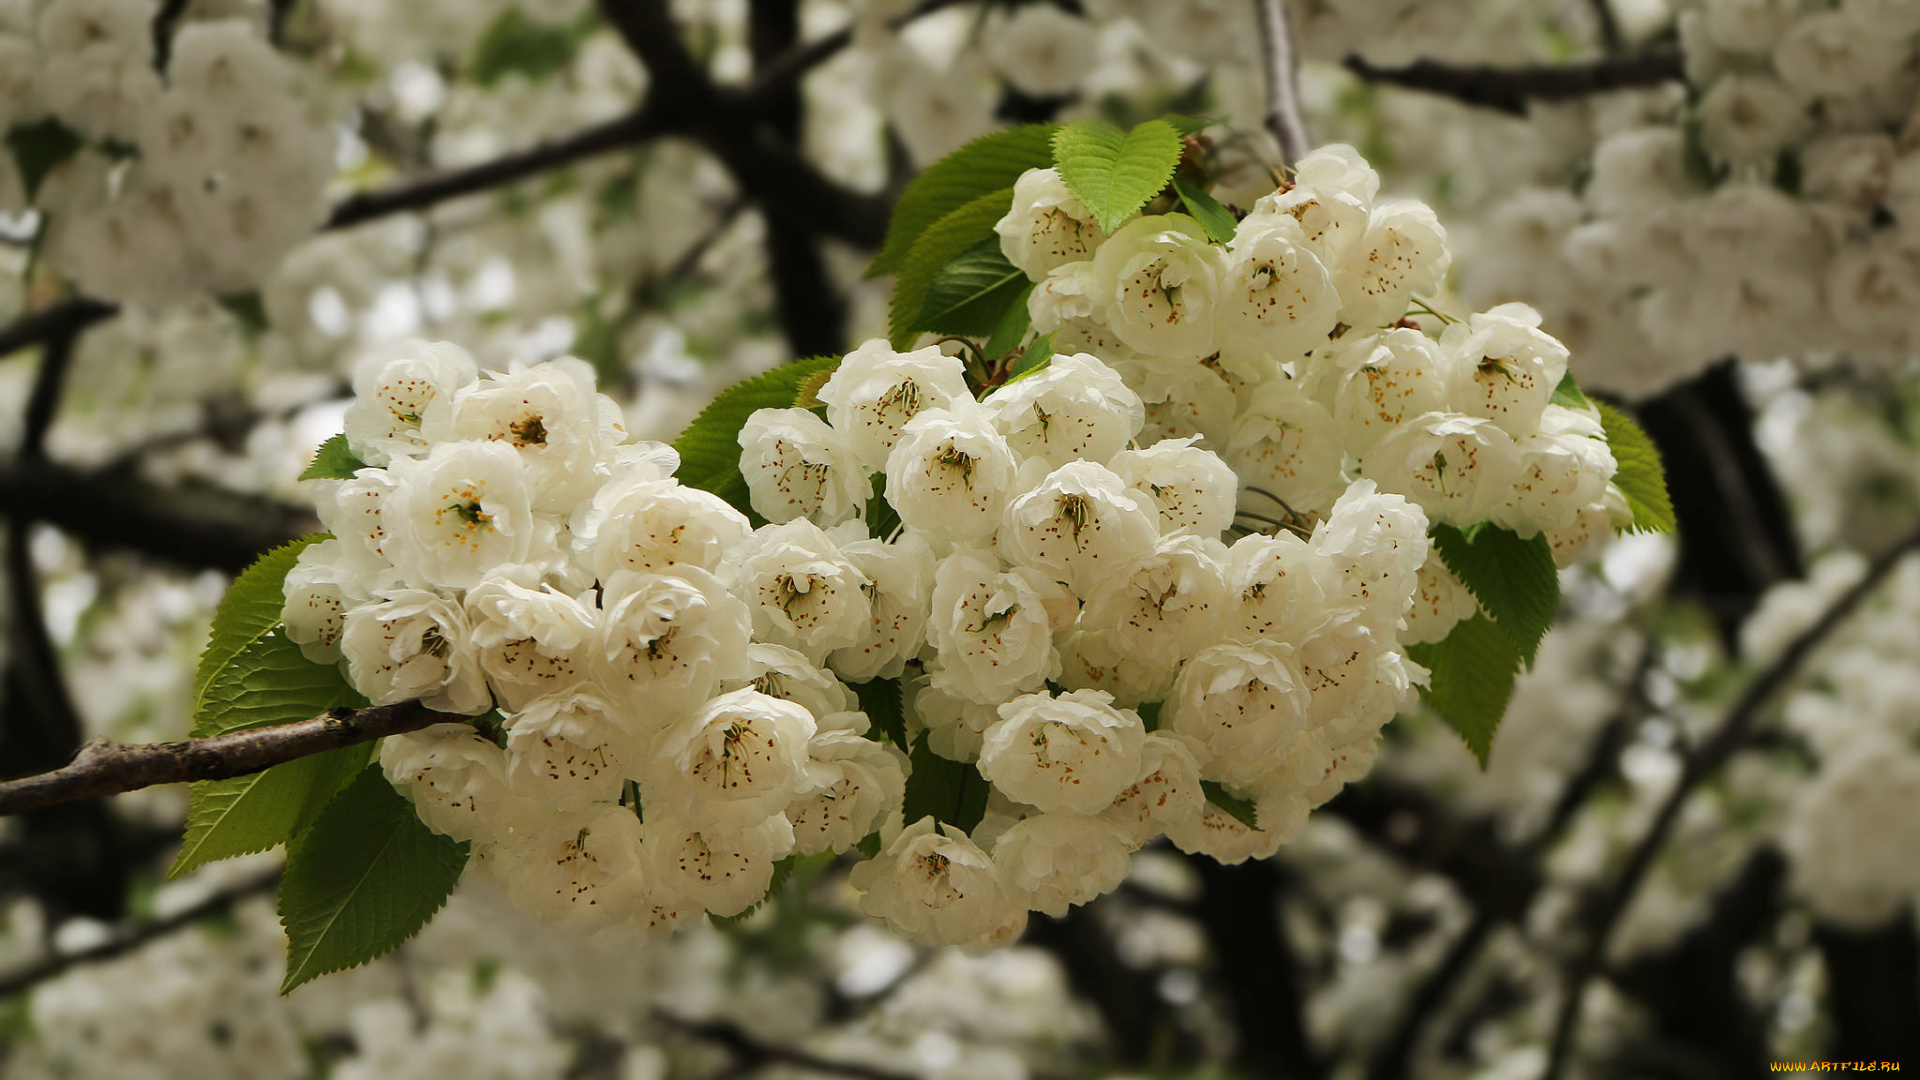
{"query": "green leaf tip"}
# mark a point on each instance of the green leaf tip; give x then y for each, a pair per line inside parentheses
(1112, 172)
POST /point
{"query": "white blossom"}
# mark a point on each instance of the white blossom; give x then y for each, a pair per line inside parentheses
(1058, 860)
(1073, 753)
(731, 763)
(935, 887)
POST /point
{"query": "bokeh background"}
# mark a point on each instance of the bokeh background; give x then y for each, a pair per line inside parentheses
(1703, 809)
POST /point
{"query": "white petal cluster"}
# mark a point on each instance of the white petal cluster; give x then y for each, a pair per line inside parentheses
(664, 733)
(227, 152)
(1774, 214)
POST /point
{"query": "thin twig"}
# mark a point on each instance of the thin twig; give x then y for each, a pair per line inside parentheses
(752, 1054)
(105, 767)
(26, 978)
(416, 193)
(1284, 118)
(1610, 37)
(1695, 768)
(780, 75)
(1509, 89)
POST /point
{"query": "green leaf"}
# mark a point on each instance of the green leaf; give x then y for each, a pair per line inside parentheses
(1150, 714)
(1216, 219)
(881, 517)
(1568, 394)
(40, 148)
(245, 814)
(944, 241)
(1473, 668)
(881, 700)
(249, 609)
(973, 294)
(1514, 579)
(514, 44)
(366, 877)
(333, 461)
(1240, 810)
(267, 682)
(952, 791)
(710, 447)
(986, 165)
(1640, 477)
(1188, 125)
(1114, 173)
(248, 309)
(1013, 327)
(1034, 359)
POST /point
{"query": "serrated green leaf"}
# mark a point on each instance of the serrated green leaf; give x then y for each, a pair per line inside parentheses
(333, 461)
(1013, 327)
(972, 294)
(1240, 810)
(985, 165)
(246, 814)
(1514, 579)
(1213, 217)
(515, 44)
(365, 878)
(39, 148)
(869, 845)
(250, 608)
(1568, 393)
(1641, 476)
(267, 682)
(944, 241)
(881, 700)
(1188, 125)
(1473, 668)
(952, 791)
(1150, 714)
(1034, 359)
(710, 446)
(881, 517)
(807, 396)
(1113, 173)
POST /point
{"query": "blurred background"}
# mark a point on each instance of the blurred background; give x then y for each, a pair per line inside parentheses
(1695, 849)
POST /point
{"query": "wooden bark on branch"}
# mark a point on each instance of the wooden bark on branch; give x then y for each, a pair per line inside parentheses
(105, 767)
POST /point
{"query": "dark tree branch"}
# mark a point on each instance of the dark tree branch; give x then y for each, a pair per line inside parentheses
(105, 767)
(1257, 968)
(780, 76)
(750, 1053)
(196, 528)
(1610, 37)
(67, 316)
(1283, 118)
(1697, 767)
(1496, 876)
(419, 193)
(26, 978)
(1509, 89)
(49, 385)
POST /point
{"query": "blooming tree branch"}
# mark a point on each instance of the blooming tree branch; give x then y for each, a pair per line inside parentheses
(1509, 89)
(1284, 118)
(1695, 768)
(105, 767)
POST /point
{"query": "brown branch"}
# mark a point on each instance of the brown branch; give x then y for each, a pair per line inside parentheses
(26, 978)
(753, 1054)
(1697, 766)
(418, 193)
(199, 528)
(105, 767)
(1283, 118)
(1509, 89)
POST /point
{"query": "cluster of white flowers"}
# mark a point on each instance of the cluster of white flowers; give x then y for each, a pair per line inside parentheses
(1774, 212)
(506, 547)
(1851, 827)
(1288, 350)
(1049, 576)
(198, 178)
